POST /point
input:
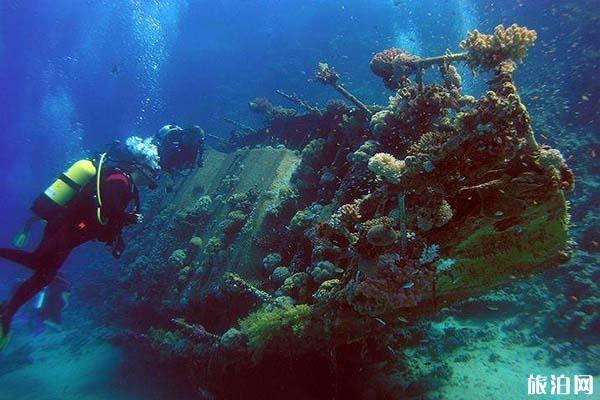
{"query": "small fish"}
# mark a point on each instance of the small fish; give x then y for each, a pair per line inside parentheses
(408, 285)
(402, 319)
(493, 308)
(382, 322)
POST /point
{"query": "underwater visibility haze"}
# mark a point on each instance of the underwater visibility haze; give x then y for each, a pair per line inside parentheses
(320, 199)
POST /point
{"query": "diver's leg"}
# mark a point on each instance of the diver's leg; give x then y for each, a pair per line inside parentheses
(53, 237)
(24, 293)
(48, 258)
(46, 271)
(24, 258)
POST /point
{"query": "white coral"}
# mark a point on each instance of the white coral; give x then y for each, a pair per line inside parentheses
(387, 166)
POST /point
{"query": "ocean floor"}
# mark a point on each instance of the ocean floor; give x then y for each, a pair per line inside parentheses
(82, 364)
(485, 347)
(76, 363)
(494, 365)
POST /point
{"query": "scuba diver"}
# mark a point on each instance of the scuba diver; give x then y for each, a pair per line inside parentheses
(180, 149)
(92, 200)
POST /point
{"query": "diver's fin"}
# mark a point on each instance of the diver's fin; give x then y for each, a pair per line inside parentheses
(53, 325)
(4, 336)
(21, 239)
(4, 339)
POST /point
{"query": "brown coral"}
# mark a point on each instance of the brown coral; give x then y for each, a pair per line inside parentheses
(452, 78)
(392, 65)
(487, 51)
(349, 214)
(433, 214)
(326, 74)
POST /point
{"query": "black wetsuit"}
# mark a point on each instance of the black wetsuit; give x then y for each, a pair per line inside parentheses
(76, 225)
(181, 149)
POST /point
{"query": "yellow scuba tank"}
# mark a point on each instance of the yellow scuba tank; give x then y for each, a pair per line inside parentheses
(58, 195)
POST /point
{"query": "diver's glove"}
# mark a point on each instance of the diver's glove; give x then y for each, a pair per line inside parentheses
(118, 247)
(133, 218)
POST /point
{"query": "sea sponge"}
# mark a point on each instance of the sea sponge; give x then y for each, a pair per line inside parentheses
(196, 241)
(304, 218)
(325, 270)
(213, 245)
(177, 258)
(379, 121)
(550, 158)
(488, 51)
(387, 166)
(184, 273)
(325, 291)
(233, 338)
(280, 274)
(434, 213)
(237, 215)
(271, 261)
(382, 235)
(202, 205)
(553, 161)
(366, 150)
(389, 261)
(296, 286)
(260, 105)
(312, 151)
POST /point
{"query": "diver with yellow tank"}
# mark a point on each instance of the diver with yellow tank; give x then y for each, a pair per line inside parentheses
(93, 200)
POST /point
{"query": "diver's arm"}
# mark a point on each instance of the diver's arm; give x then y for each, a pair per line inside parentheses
(115, 198)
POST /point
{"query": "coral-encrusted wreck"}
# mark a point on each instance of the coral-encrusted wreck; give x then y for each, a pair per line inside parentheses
(269, 266)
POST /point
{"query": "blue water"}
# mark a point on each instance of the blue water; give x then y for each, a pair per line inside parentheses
(77, 74)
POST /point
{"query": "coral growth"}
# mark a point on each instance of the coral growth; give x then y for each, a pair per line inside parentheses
(387, 166)
(326, 74)
(263, 106)
(385, 212)
(488, 51)
(264, 326)
(393, 65)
